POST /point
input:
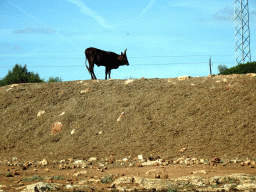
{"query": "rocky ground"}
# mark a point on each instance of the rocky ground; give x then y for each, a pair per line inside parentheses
(138, 174)
(126, 125)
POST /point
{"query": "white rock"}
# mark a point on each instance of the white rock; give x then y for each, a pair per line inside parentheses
(92, 159)
(246, 186)
(235, 161)
(80, 173)
(201, 161)
(85, 91)
(62, 161)
(251, 74)
(183, 77)
(125, 179)
(14, 85)
(2, 186)
(129, 81)
(69, 186)
(41, 185)
(43, 162)
(40, 113)
(120, 117)
(181, 159)
(89, 181)
(79, 162)
(8, 89)
(148, 163)
(229, 187)
(140, 157)
(201, 171)
(77, 187)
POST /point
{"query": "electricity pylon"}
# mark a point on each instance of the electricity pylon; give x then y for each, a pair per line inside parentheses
(242, 31)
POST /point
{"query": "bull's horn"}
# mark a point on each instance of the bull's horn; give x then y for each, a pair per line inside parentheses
(125, 51)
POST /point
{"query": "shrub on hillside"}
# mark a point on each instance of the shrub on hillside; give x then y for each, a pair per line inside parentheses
(249, 67)
(20, 74)
(222, 68)
(54, 79)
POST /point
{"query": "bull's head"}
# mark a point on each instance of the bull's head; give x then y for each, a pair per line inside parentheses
(124, 60)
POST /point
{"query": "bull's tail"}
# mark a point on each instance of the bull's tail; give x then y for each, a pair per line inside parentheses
(86, 65)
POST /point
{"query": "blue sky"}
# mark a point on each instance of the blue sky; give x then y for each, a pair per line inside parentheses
(164, 38)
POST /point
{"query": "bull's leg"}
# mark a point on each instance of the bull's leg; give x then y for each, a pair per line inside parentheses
(91, 66)
(90, 70)
(109, 74)
(93, 75)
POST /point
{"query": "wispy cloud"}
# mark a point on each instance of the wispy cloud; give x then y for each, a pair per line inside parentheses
(151, 3)
(219, 15)
(33, 30)
(253, 16)
(228, 11)
(17, 48)
(8, 48)
(5, 46)
(253, 13)
(25, 12)
(87, 11)
(40, 30)
(225, 14)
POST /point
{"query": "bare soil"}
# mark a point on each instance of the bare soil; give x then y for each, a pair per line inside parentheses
(65, 177)
(209, 116)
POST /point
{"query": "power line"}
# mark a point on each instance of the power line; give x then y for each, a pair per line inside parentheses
(129, 65)
(128, 57)
(182, 56)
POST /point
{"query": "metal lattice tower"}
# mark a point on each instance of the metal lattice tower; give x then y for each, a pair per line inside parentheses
(242, 32)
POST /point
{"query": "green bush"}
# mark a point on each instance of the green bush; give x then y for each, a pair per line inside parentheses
(222, 68)
(107, 179)
(20, 74)
(54, 79)
(249, 67)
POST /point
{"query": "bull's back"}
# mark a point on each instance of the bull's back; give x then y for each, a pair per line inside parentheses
(90, 52)
(100, 57)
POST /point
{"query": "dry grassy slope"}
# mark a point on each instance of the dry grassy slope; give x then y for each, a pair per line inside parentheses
(208, 118)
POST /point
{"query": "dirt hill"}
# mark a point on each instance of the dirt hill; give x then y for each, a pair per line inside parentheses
(209, 116)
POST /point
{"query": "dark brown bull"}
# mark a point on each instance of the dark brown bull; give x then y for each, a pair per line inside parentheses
(104, 58)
